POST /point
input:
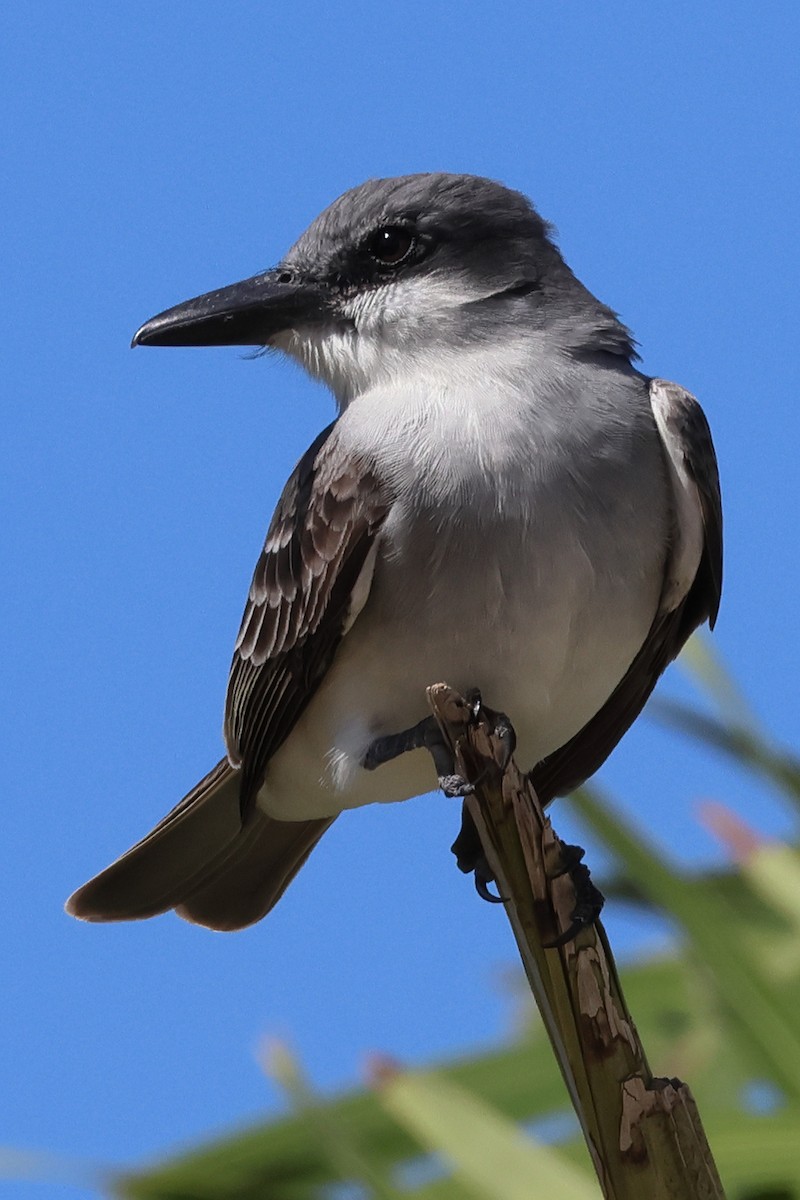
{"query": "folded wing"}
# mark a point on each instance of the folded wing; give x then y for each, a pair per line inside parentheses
(690, 593)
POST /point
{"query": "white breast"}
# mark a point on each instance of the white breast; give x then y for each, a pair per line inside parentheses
(524, 556)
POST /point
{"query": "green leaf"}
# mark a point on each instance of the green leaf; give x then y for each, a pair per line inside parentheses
(700, 659)
(759, 1152)
(773, 870)
(765, 1016)
(285, 1160)
(337, 1139)
(492, 1156)
(748, 748)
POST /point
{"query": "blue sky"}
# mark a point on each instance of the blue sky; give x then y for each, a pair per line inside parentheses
(152, 152)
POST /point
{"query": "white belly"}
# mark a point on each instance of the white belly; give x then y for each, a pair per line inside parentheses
(544, 627)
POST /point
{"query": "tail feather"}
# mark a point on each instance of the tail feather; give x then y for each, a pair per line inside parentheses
(252, 875)
(201, 861)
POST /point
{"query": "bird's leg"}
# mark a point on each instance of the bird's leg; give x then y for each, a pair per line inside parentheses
(589, 900)
(426, 735)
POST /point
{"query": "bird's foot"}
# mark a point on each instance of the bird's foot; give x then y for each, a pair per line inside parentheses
(471, 859)
(427, 735)
(467, 847)
(589, 900)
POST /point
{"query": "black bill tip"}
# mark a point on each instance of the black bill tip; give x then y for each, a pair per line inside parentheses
(245, 314)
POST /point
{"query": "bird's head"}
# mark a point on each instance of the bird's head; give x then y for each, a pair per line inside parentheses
(394, 273)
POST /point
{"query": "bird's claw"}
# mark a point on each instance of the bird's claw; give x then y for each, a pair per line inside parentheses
(589, 900)
(571, 858)
(483, 877)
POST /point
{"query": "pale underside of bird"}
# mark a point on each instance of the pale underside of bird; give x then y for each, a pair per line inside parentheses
(503, 502)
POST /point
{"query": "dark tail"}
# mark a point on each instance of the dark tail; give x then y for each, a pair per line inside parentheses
(201, 861)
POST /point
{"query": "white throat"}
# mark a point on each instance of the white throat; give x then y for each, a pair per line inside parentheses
(402, 334)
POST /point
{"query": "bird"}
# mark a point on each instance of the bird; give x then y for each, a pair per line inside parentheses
(503, 501)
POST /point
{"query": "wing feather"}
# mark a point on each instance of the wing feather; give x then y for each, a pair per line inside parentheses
(300, 602)
(690, 594)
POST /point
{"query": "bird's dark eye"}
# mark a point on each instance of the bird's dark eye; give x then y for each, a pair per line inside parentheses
(390, 244)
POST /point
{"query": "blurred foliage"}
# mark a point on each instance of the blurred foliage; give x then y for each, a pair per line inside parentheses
(722, 1013)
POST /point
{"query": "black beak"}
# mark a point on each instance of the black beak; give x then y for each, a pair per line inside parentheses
(245, 314)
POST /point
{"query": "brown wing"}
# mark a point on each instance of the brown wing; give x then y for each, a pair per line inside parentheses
(310, 582)
(686, 602)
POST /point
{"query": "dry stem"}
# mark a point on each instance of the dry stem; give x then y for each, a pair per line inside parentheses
(644, 1134)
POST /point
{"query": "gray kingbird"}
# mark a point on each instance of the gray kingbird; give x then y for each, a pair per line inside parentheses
(503, 502)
